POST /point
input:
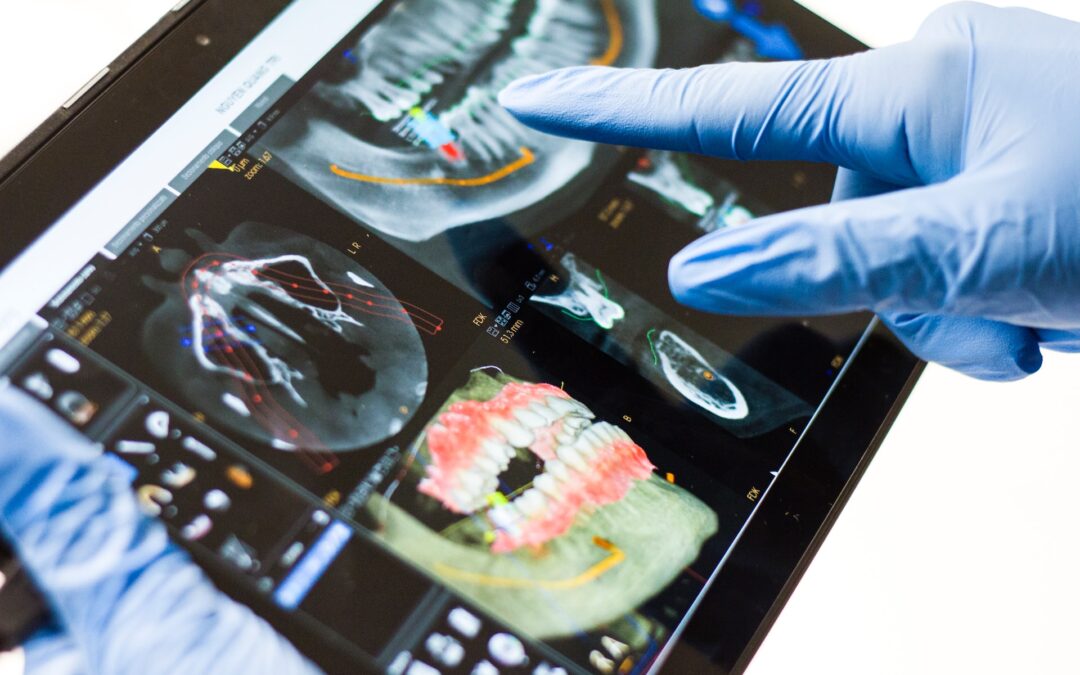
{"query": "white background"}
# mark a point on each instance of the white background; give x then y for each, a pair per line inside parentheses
(959, 551)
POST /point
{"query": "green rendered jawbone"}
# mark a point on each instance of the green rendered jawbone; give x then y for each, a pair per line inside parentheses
(611, 561)
(576, 582)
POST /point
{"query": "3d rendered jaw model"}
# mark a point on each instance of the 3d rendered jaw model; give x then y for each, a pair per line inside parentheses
(547, 517)
(408, 136)
(287, 341)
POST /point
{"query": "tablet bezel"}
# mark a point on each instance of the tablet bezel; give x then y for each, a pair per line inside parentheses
(78, 146)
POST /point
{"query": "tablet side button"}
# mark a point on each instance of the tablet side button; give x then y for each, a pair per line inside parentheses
(85, 88)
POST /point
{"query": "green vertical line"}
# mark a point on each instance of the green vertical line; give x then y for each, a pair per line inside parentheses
(655, 356)
(603, 284)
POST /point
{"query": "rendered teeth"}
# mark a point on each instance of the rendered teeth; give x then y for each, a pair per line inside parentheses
(505, 517)
(549, 415)
(529, 418)
(546, 484)
(531, 502)
(586, 445)
(576, 423)
(601, 662)
(606, 432)
(573, 458)
(556, 470)
(583, 411)
(593, 437)
(465, 500)
(472, 481)
(519, 436)
(498, 451)
(487, 465)
(566, 438)
(561, 406)
(617, 649)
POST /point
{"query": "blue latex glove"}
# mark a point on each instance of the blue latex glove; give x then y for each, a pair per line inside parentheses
(127, 599)
(960, 219)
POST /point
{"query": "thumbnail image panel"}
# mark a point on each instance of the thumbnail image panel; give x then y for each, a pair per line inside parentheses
(520, 498)
(406, 134)
(285, 340)
(688, 191)
(670, 355)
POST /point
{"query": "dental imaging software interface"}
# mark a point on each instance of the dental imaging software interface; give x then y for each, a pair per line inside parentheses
(410, 372)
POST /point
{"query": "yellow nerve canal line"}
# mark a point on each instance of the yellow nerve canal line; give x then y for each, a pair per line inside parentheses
(615, 33)
(527, 158)
(615, 558)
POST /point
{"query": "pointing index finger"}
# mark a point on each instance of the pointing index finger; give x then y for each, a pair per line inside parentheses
(840, 111)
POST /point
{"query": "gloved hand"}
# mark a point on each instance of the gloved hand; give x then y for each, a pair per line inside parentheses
(126, 598)
(960, 156)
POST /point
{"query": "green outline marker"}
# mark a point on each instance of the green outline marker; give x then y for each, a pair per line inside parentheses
(655, 356)
(575, 316)
(603, 284)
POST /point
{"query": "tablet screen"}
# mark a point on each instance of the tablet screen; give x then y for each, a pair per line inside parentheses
(409, 372)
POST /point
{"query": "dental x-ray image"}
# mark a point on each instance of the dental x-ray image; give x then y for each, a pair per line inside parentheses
(520, 499)
(690, 192)
(287, 341)
(406, 134)
(667, 353)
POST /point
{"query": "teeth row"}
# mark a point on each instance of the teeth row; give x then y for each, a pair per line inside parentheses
(584, 448)
(561, 33)
(482, 478)
(510, 517)
(537, 414)
(548, 486)
(473, 485)
(410, 52)
(486, 130)
(423, 42)
(518, 430)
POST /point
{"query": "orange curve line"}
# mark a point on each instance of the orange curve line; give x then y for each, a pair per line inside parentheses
(615, 30)
(527, 158)
(615, 558)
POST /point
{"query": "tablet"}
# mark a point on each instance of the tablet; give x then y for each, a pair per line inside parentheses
(405, 376)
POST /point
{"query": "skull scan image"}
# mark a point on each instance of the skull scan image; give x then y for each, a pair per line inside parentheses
(408, 137)
(518, 498)
(282, 339)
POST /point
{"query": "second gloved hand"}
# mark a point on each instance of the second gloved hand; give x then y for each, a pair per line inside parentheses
(957, 209)
(126, 599)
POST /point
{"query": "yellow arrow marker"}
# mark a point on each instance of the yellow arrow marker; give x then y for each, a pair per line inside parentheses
(218, 166)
